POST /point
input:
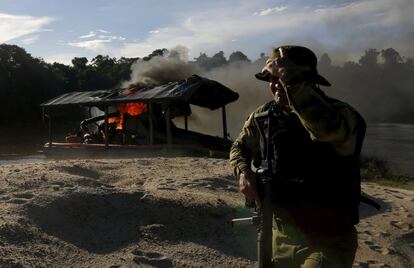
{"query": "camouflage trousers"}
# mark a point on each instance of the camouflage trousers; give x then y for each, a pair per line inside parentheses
(293, 249)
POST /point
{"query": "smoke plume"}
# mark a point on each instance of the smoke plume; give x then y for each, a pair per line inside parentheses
(239, 78)
(162, 69)
(382, 93)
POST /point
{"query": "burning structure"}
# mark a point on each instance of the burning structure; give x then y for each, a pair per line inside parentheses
(140, 117)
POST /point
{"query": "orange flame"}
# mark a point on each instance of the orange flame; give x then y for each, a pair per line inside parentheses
(133, 109)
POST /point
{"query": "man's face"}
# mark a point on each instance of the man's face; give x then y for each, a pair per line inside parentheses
(278, 92)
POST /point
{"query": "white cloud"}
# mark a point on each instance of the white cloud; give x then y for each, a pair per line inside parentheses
(89, 35)
(199, 33)
(354, 26)
(270, 10)
(102, 36)
(112, 37)
(16, 26)
(351, 27)
(64, 58)
(97, 45)
(29, 40)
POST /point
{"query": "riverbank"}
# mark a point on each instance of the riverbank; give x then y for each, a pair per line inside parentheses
(378, 170)
(394, 143)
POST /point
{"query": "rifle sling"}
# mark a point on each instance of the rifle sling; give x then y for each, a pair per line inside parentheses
(369, 201)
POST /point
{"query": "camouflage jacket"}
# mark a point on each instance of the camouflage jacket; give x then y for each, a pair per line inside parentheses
(325, 119)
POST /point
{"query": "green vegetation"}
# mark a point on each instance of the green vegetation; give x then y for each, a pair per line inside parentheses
(27, 81)
(380, 78)
(374, 169)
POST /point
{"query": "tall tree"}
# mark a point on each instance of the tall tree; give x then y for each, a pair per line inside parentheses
(218, 59)
(391, 57)
(325, 61)
(156, 53)
(79, 63)
(238, 56)
(370, 58)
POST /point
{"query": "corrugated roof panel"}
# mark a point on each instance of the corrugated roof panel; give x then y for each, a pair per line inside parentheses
(194, 90)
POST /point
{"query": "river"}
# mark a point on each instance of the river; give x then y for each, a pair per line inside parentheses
(392, 142)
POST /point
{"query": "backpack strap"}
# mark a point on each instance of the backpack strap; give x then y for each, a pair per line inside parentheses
(365, 199)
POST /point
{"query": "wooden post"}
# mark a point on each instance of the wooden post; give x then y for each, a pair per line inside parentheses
(168, 124)
(223, 112)
(106, 127)
(186, 122)
(43, 115)
(50, 129)
(151, 125)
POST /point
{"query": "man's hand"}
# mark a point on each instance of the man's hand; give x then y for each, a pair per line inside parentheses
(247, 184)
(282, 65)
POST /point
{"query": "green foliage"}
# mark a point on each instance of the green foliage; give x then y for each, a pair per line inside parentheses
(381, 90)
(26, 82)
(207, 63)
(374, 169)
(325, 61)
(79, 63)
(156, 53)
(391, 57)
(370, 59)
(237, 57)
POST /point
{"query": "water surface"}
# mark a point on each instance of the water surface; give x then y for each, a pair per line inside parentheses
(394, 143)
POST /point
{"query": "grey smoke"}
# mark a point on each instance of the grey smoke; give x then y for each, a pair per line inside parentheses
(161, 70)
(240, 78)
(383, 95)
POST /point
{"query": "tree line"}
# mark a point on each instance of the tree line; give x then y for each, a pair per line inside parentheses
(27, 81)
(380, 84)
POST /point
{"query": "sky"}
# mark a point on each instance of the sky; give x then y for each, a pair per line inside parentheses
(58, 30)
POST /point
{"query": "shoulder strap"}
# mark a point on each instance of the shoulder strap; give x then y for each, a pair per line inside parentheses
(365, 199)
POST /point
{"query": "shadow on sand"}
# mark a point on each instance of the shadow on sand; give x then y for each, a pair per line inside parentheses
(104, 223)
(366, 211)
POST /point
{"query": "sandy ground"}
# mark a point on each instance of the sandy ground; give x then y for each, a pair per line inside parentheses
(158, 212)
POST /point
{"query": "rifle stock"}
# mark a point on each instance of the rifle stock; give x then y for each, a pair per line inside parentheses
(264, 220)
(264, 228)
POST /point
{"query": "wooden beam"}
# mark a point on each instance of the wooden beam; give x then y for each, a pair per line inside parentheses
(106, 127)
(223, 113)
(49, 117)
(168, 123)
(43, 115)
(151, 124)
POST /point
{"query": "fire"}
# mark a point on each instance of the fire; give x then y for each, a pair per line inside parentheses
(133, 109)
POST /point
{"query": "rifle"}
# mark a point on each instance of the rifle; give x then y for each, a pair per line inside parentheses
(266, 123)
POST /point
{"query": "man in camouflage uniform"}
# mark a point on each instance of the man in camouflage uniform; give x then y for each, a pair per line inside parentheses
(316, 189)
